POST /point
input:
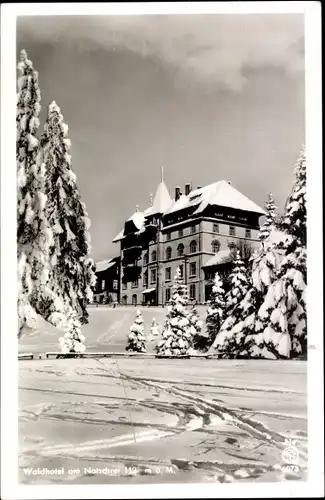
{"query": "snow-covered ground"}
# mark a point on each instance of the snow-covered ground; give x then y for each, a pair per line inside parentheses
(107, 330)
(153, 420)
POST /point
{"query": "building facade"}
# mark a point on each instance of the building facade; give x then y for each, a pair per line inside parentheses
(197, 231)
(107, 289)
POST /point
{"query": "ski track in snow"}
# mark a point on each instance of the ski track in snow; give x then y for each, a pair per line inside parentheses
(199, 414)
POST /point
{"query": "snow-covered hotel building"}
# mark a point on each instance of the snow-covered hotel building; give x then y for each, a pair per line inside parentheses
(194, 231)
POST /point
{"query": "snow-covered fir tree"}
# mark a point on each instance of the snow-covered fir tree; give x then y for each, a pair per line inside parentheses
(270, 218)
(136, 339)
(33, 232)
(282, 322)
(73, 340)
(216, 309)
(270, 321)
(195, 321)
(294, 220)
(72, 270)
(239, 284)
(177, 335)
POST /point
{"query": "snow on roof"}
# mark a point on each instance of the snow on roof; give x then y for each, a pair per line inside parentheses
(162, 201)
(149, 290)
(103, 265)
(137, 218)
(119, 237)
(219, 258)
(219, 193)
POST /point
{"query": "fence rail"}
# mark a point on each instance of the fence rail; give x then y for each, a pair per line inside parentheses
(60, 355)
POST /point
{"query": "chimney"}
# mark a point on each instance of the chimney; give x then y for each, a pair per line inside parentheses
(187, 189)
(229, 182)
(199, 187)
(177, 193)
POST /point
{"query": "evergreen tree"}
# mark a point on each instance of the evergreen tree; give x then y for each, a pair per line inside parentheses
(216, 309)
(237, 335)
(294, 220)
(270, 322)
(282, 325)
(73, 340)
(270, 218)
(195, 322)
(136, 339)
(72, 276)
(239, 284)
(33, 233)
(178, 333)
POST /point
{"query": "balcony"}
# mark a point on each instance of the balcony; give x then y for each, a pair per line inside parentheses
(131, 255)
(150, 233)
(131, 273)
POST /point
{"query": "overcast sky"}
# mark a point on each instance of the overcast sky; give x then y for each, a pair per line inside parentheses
(209, 97)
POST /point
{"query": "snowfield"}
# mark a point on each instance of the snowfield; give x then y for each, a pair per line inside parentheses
(160, 420)
(107, 330)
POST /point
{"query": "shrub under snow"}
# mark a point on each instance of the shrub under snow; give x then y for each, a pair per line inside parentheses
(73, 340)
(136, 339)
(216, 309)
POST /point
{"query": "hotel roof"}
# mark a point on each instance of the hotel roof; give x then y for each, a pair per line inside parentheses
(103, 265)
(220, 193)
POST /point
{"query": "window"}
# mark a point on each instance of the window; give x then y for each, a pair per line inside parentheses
(153, 256)
(193, 229)
(145, 259)
(180, 250)
(193, 246)
(124, 299)
(180, 233)
(153, 276)
(134, 299)
(248, 233)
(145, 278)
(115, 284)
(167, 296)
(103, 284)
(232, 246)
(193, 269)
(181, 270)
(215, 246)
(168, 236)
(168, 273)
(215, 228)
(168, 253)
(125, 286)
(232, 231)
(193, 291)
(135, 283)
